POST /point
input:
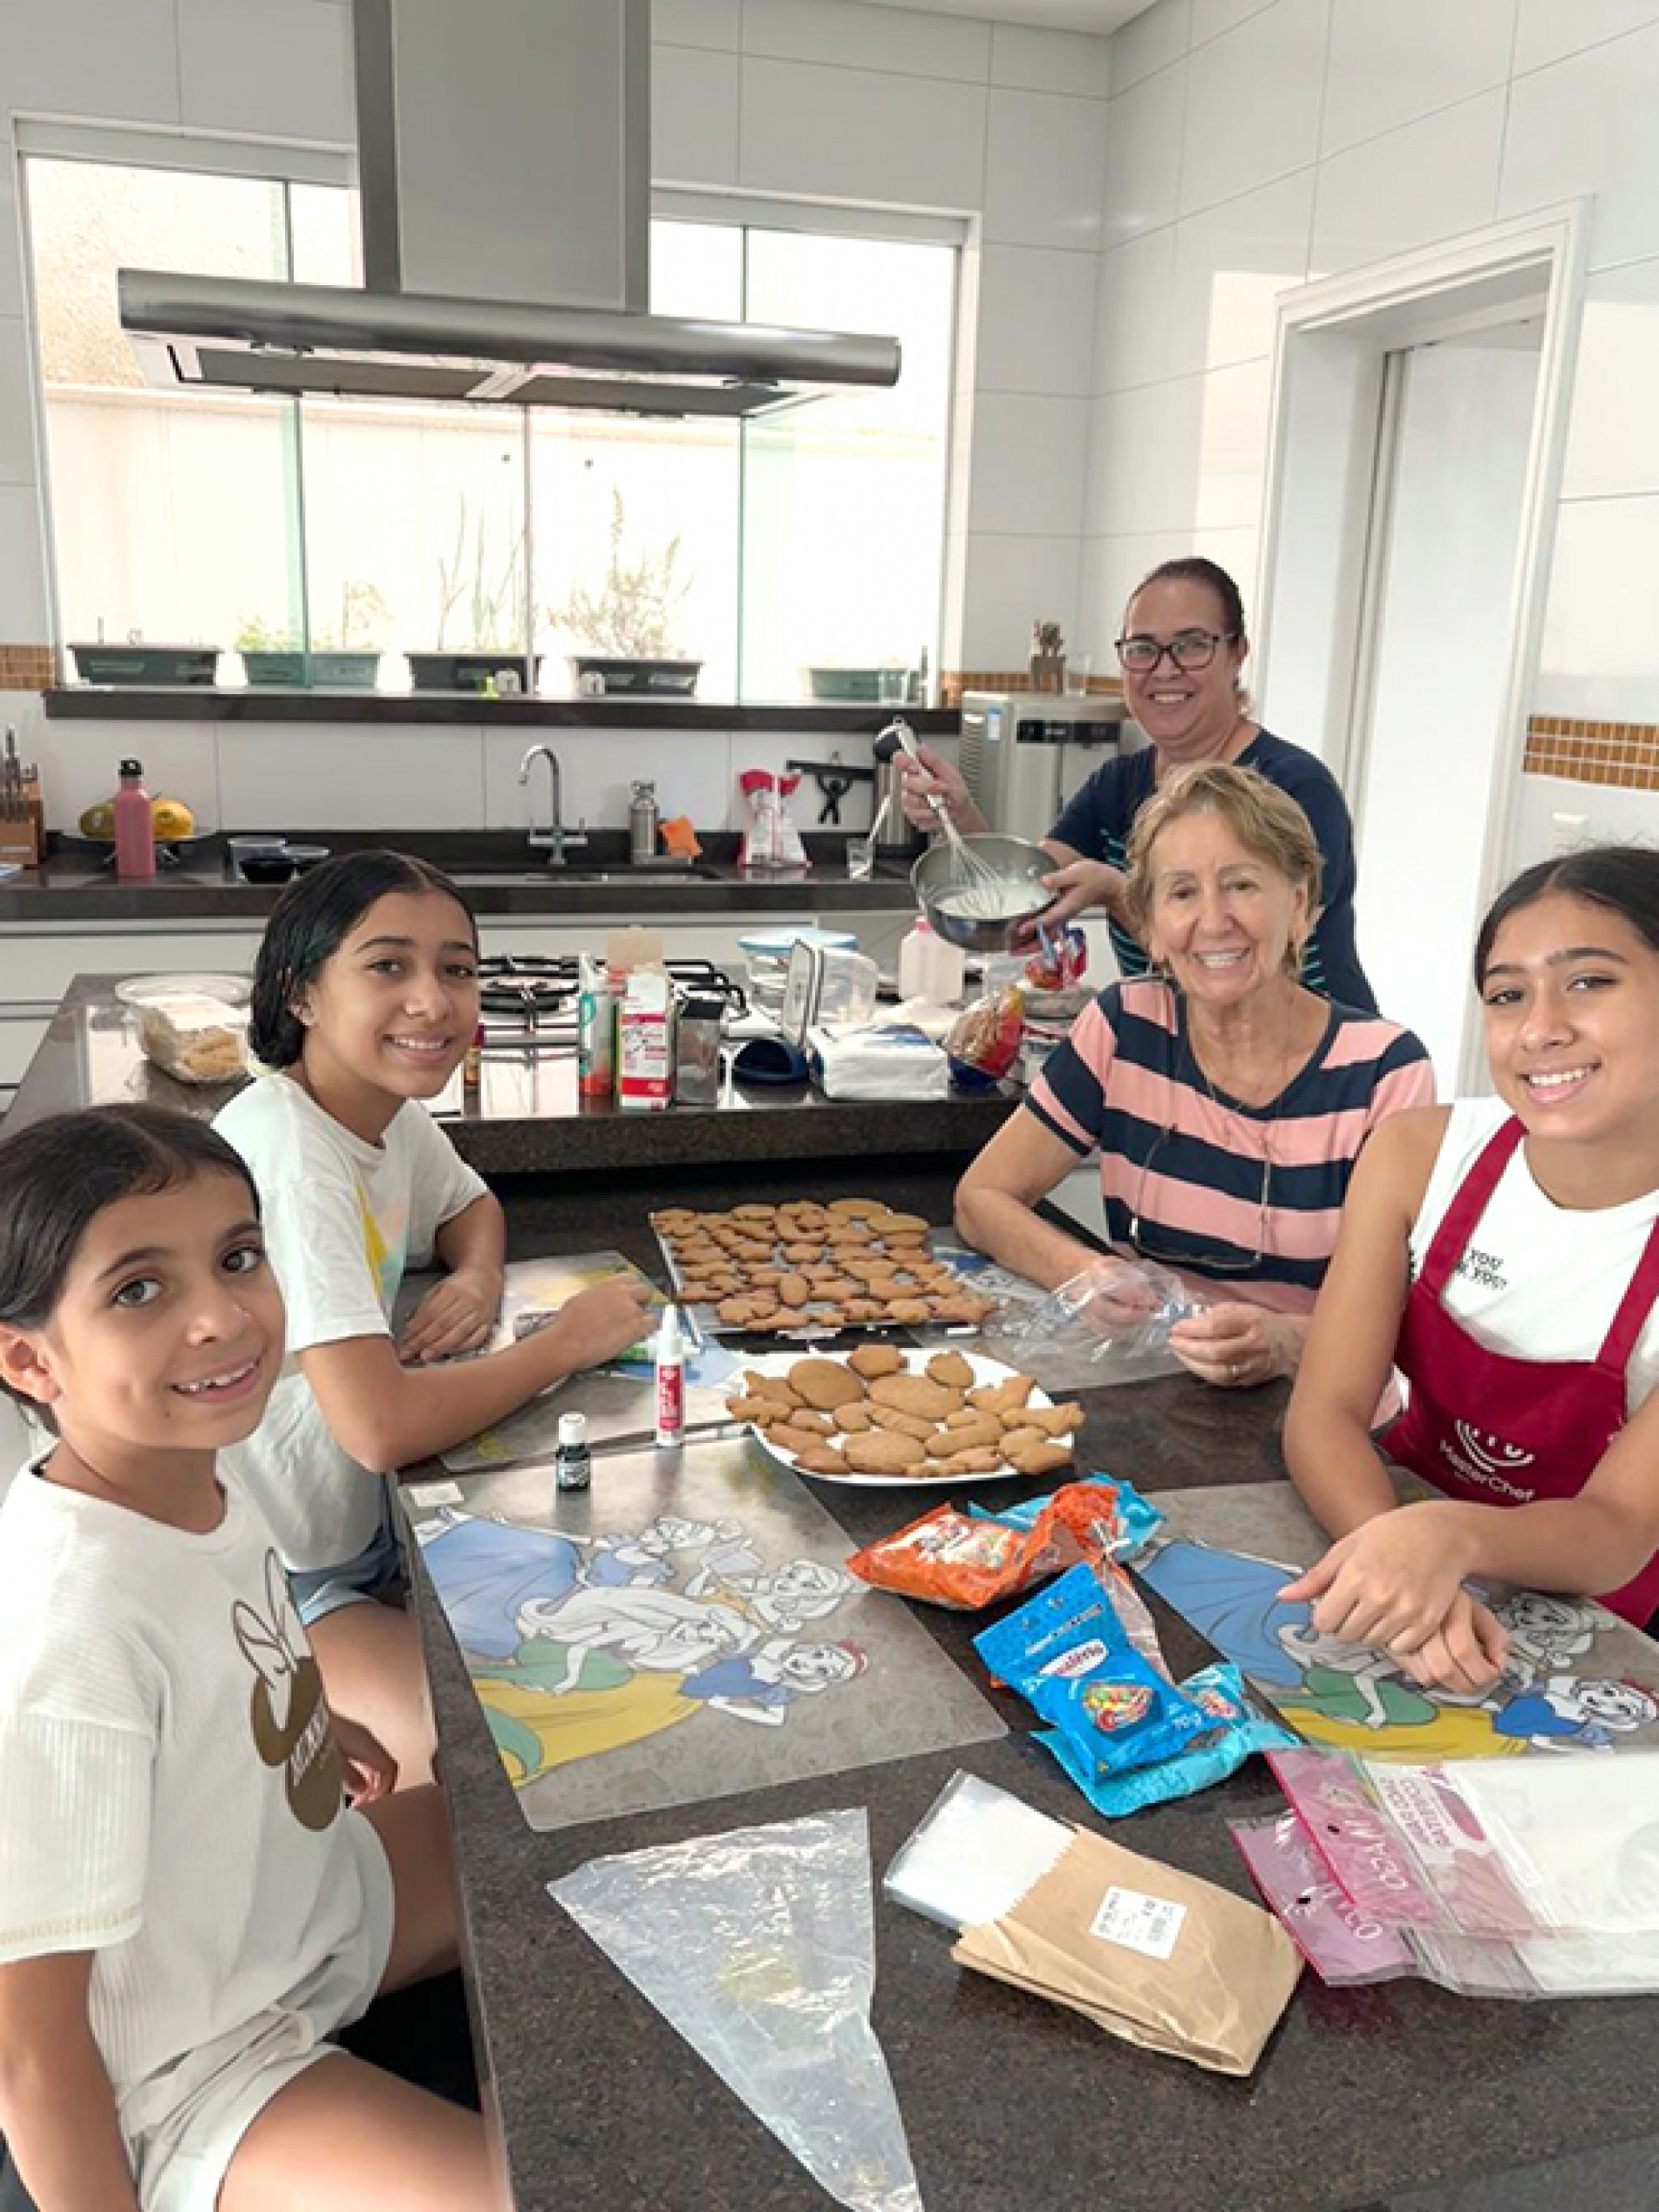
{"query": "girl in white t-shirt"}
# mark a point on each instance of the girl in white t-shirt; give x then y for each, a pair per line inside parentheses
(188, 1908)
(366, 1000)
(1505, 1255)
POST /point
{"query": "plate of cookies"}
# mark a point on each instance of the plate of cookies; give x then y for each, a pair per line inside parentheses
(893, 1414)
(799, 1268)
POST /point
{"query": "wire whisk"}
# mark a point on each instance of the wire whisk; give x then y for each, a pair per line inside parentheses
(973, 889)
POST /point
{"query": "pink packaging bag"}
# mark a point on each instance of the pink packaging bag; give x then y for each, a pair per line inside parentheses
(1339, 1943)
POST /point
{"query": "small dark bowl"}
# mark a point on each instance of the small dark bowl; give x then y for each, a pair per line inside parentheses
(306, 857)
(267, 868)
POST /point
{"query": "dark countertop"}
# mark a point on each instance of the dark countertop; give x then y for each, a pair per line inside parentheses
(1398, 2098)
(202, 702)
(495, 869)
(526, 1118)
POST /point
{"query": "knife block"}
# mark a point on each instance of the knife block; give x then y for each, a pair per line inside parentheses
(23, 843)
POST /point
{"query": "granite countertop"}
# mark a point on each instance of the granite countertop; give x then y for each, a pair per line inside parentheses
(1396, 2098)
(496, 870)
(526, 1118)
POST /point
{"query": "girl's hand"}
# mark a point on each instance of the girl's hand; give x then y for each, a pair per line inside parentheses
(1392, 1583)
(598, 1325)
(456, 1314)
(1234, 1345)
(371, 1770)
(1466, 1654)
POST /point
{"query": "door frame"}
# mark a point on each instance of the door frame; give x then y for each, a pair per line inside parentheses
(1329, 345)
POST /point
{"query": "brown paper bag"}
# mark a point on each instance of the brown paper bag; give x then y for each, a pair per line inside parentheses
(1155, 1956)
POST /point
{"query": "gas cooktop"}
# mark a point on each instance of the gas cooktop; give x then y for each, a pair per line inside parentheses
(534, 990)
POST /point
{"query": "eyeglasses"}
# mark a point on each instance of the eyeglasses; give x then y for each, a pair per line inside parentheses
(1191, 649)
(1146, 1235)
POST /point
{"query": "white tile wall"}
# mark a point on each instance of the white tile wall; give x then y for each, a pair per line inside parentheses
(1013, 582)
(1598, 660)
(1388, 66)
(1051, 61)
(694, 95)
(1613, 443)
(23, 574)
(1132, 313)
(1431, 180)
(1151, 42)
(1252, 103)
(853, 135)
(277, 68)
(690, 769)
(11, 257)
(1585, 125)
(1230, 264)
(898, 39)
(115, 58)
(1144, 156)
(1212, 17)
(1028, 464)
(1036, 311)
(697, 23)
(293, 775)
(1044, 166)
(79, 763)
(1547, 29)
(16, 408)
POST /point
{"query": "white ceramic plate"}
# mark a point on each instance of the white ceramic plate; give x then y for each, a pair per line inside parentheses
(916, 1358)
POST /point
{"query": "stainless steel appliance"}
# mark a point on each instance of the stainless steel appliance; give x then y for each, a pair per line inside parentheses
(900, 839)
(1025, 754)
(528, 999)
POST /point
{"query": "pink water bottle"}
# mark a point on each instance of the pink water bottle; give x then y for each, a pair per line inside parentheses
(134, 826)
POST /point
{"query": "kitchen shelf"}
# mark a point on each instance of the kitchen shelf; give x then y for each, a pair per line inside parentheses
(193, 703)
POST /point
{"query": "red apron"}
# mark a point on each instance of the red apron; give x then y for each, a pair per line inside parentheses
(1500, 1431)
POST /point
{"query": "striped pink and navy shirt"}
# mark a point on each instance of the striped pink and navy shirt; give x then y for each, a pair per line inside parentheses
(1249, 1196)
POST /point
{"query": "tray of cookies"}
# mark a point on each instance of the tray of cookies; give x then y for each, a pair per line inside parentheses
(885, 1414)
(800, 1269)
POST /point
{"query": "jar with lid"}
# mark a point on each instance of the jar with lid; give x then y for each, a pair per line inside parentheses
(696, 1047)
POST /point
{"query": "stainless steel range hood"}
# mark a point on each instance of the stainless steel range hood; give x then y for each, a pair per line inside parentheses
(504, 172)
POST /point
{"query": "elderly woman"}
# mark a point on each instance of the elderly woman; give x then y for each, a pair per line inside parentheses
(1182, 651)
(1226, 1101)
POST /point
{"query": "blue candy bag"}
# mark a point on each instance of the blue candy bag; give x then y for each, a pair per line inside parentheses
(1236, 1731)
(1137, 1518)
(1069, 1656)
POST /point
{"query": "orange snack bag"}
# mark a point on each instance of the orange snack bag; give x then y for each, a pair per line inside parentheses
(952, 1559)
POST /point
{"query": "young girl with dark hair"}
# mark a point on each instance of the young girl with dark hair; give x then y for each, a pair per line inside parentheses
(189, 1909)
(365, 999)
(1504, 1253)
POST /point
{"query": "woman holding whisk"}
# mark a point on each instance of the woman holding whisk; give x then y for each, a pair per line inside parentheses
(1182, 650)
(1226, 1101)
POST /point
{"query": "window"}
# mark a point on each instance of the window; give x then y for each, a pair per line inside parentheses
(799, 557)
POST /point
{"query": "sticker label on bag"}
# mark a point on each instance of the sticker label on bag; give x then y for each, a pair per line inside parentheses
(1149, 1925)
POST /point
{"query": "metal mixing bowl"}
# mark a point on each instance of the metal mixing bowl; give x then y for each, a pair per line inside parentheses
(1016, 863)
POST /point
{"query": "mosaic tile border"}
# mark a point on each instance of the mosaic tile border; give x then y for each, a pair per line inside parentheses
(1624, 754)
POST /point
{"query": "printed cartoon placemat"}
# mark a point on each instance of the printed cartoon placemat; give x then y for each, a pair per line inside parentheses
(1576, 1677)
(685, 1629)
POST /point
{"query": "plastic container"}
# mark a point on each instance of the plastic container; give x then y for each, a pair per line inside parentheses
(697, 1053)
(827, 987)
(644, 1042)
(930, 969)
(134, 825)
(194, 1038)
(767, 951)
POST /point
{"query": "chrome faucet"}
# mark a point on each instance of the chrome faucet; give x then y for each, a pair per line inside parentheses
(553, 840)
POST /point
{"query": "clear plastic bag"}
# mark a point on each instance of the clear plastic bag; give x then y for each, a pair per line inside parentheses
(758, 1946)
(1116, 1314)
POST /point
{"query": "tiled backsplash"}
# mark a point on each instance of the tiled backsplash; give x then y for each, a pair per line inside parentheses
(1624, 753)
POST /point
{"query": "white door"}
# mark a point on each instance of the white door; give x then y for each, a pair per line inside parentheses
(1437, 638)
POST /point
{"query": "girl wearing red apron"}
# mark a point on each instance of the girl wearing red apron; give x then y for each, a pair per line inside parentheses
(1505, 1254)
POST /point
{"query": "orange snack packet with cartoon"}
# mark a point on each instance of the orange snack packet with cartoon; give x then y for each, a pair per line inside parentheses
(964, 1562)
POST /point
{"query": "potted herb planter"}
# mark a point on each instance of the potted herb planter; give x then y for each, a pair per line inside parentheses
(294, 671)
(845, 685)
(472, 672)
(145, 664)
(616, 674)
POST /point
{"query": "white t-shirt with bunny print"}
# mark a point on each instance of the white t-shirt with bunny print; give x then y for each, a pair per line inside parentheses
(171, 1800)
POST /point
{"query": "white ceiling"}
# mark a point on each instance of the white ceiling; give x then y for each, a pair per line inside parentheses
(1099, 15)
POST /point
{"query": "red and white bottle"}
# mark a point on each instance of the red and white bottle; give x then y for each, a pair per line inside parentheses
(670, 1382)
(134, 825)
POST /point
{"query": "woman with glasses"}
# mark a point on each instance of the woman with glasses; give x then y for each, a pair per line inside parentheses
(1182, 653)
(1226, 1101)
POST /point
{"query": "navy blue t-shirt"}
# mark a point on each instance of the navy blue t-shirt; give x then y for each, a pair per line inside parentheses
(1097, 823)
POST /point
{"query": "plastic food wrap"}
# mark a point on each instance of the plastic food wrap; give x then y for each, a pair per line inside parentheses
(758, 1946)
(1237, 1732)
(973, 1854)
(984, 1039)
(1061, 957)
(194, 1037)
(1115, 1314)
(770, 837)
(1068, 1654)
(966, 1561)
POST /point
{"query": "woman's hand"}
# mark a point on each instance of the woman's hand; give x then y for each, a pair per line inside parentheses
(1235, 1346)
(371, 1770)
(1394, 1582)
(1466, 1654)
(931, 772)
(598, 1325)
(456, 1314)
(1081, 885)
